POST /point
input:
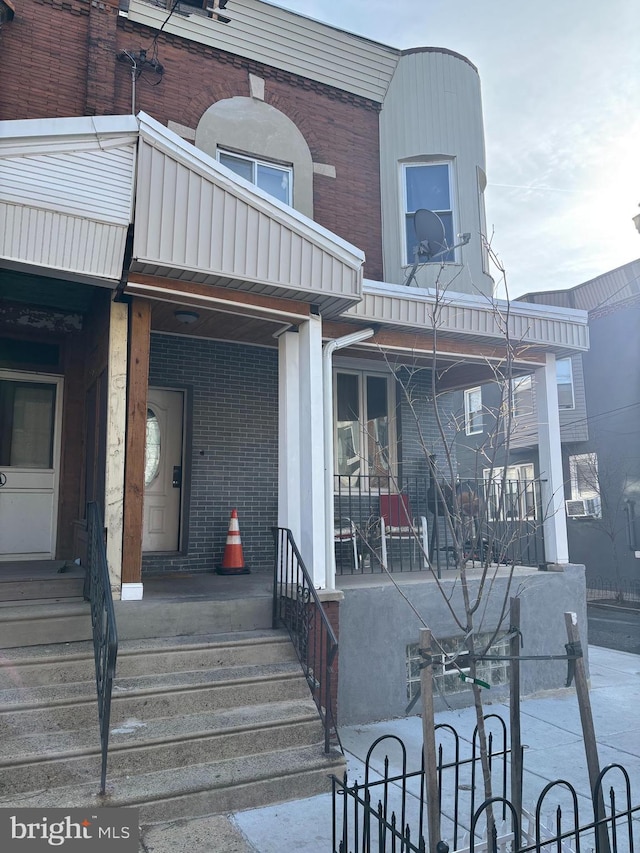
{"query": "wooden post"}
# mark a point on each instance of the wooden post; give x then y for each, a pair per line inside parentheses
(588, 731)
(138, 381)
(429, 740)
(514, 709)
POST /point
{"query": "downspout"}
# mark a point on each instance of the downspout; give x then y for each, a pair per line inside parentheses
(327, 391)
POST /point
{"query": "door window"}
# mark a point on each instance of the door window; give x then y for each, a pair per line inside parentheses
(27, 418)
(152, 450)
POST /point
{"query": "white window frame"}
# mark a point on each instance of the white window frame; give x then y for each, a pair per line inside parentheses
(409, 261)
(258, 161)
(519, 385)
(570, 383)
(363, 474)
(473, 417)
(591, 494)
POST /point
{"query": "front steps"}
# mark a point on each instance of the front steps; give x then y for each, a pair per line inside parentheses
(200, 724)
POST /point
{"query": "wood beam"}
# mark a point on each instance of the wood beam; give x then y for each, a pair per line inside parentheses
(138, 383)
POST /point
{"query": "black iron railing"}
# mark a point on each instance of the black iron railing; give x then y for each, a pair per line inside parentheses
(411, 524)
(613, 590)
(297, 607)
(97, 590)
(388, 810)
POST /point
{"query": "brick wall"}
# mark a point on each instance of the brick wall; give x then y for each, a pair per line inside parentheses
(233, 427)
(59, 59)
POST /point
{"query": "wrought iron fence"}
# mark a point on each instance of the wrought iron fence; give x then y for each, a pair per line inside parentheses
(97, 590)
(613, 590)
(388, 810)
(414, 523)
(297, 607)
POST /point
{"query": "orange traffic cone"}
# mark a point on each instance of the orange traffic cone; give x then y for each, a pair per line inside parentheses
(233, 558)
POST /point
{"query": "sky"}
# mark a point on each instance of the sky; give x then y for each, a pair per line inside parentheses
(561, 98)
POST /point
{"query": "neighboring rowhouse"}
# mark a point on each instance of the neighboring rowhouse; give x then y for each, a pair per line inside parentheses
(598, 397)
(181, 289)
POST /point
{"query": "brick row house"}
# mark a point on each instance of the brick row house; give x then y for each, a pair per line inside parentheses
(205, 243)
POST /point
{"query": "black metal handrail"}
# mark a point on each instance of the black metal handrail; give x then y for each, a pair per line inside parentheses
(97, 590)
(298, 608)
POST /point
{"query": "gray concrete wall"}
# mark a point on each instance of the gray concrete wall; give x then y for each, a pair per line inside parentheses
(377, 624)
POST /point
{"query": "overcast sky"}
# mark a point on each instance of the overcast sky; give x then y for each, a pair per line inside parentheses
(561, 95)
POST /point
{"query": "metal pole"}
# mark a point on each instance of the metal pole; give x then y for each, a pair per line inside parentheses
(429, 740)
(514, 710)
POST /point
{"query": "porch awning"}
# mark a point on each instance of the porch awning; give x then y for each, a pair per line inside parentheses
(70, 188)
(197, 222)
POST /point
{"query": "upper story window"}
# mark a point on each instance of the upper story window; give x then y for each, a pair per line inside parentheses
(585, 484)
(473, 411)
(564, 377)
(273, 178)
(522, 396)
(363, 426)
(428, 186)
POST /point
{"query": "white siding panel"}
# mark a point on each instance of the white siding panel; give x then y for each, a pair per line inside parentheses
(204, 222)
(285, 40)
(61, 242)
(95, 184)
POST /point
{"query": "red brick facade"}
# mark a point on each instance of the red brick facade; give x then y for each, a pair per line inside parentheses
(59, 59)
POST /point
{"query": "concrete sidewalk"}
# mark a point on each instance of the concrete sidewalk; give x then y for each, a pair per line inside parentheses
(551, 731)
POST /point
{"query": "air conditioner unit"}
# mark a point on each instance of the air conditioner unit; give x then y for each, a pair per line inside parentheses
(576, 509)
(583, 508)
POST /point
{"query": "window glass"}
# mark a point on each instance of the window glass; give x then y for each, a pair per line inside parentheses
(473, 410)
(27, 417)
(585, 483)
(275, 180)
(362, 426)
(522, 395)
(377, 426)
(348, 424)
(239, 165)
(427, 186)
(152, 450)
(564, 377)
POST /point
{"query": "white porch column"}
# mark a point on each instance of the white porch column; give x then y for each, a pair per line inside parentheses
(289, 433)
(116, 434)
(312, 504)
(552, 487)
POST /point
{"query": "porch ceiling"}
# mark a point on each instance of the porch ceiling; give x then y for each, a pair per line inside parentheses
(216, 325)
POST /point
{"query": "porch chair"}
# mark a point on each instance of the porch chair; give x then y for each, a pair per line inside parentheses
(398, 524)
(345, 533)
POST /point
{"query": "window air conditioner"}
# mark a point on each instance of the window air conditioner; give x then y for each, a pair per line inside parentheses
(583, 508)
(576, 509)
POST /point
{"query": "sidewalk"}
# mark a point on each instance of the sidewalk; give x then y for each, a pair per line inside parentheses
(550, 729)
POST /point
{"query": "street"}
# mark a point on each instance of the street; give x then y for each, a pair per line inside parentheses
(614, 627)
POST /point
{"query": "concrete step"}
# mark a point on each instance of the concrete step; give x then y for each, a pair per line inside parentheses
(43, 622)
(24, 581)
(62, 758)
(206, 788)
(200, 722)
(74, 662)
(30, 710)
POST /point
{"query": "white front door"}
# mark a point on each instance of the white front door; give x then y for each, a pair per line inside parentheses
(30, 416)
(163, 471)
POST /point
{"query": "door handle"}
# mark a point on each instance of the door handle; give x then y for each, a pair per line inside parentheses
(177, 477)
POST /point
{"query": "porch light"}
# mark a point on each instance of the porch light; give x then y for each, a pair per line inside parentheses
(187, 317)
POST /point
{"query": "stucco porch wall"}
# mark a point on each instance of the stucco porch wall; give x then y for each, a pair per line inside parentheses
(377, 625)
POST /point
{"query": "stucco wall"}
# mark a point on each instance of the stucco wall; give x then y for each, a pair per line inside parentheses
(377, 624)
